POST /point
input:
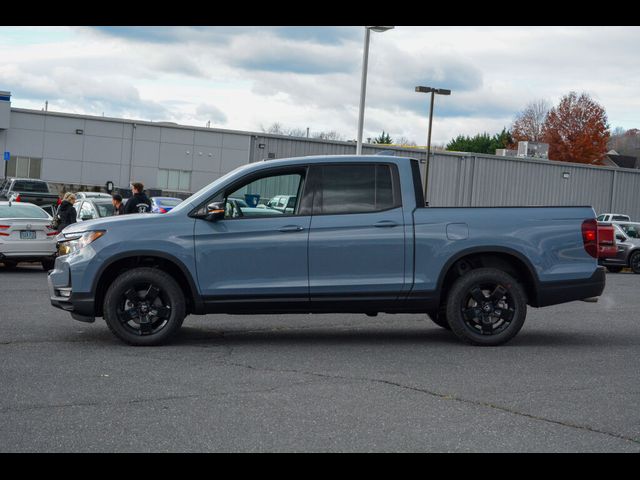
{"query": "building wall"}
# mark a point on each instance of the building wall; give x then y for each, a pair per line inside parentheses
(105, 148)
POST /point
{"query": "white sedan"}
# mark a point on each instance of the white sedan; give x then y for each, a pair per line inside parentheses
(26, 235)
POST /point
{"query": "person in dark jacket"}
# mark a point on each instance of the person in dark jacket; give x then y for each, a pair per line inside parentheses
(139, 202)
(118, 206)
(66, 212)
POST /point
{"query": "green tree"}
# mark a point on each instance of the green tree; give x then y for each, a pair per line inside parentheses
(383, 139)
(480, 143)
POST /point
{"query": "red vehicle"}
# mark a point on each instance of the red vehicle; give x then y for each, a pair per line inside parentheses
(606, 240)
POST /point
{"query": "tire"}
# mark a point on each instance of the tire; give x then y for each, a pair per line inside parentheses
(486, 307)
(144, 307)
(48, 264)
(614, 269)
(634, 262)
(439, 317)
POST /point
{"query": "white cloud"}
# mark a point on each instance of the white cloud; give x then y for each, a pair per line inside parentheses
(245, 77)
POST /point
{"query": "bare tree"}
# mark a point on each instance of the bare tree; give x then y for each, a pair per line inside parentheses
(405, 141)
(528, 123)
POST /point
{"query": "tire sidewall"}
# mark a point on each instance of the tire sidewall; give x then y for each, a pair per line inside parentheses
(458, 293)
(169, 288)
(635, 257)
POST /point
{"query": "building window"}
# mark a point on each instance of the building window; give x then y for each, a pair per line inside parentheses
(174, 179)
(24, 167)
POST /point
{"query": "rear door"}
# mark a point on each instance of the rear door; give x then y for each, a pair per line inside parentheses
(356, 239)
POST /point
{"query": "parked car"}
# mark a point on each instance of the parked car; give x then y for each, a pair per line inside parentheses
(87, 195)
(612, 217)
(359, 239)
(236, 207)
(26, 235)
(28, 190)
(92, 208)
(606, 240)
(628, 252)
(164, 204)
(283, 203)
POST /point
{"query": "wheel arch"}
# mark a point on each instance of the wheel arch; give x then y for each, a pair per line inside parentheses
(161, 260)
(503, 258)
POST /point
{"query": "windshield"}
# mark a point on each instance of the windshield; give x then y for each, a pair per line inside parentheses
(632, 231)
(104, 209)
(22, 211)
(26, 186)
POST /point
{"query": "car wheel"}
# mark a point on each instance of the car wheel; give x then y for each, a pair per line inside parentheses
(614, 269)
(144, 306)
(634, 262)
(439, 317)
(486, 306)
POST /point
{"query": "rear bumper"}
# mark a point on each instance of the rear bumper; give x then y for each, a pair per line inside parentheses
(552, 293)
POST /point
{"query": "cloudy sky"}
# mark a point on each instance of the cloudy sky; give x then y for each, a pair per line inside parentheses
(244, 78)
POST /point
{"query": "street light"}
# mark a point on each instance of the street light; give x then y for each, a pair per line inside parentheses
(433, 92)
(363, 85)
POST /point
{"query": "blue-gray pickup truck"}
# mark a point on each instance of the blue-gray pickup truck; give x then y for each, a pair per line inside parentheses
(357, 238)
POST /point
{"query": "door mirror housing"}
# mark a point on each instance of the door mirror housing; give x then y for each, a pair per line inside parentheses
(215, 211)
(620, 238)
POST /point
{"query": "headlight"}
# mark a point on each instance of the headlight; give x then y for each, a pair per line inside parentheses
(73, 242)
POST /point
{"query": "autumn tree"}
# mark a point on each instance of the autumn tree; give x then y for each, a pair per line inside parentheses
(576, 130)
(529, 122)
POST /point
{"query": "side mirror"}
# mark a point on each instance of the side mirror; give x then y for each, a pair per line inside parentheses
(215, 211)
(86, 217)
(620, 238)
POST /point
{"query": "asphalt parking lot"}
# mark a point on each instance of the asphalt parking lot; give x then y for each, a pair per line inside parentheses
(569, 382)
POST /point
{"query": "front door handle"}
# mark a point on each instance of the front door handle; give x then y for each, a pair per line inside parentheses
(292, 228)
(385, 223)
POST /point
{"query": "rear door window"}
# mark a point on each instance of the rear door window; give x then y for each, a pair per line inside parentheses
(355, 188)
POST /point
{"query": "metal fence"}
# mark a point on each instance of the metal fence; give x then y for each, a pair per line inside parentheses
(474, 180)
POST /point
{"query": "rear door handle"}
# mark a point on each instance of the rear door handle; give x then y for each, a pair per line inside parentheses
(385, 223)
(292, 228)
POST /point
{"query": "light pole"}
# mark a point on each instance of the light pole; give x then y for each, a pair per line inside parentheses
(363, 84)
(433, 91)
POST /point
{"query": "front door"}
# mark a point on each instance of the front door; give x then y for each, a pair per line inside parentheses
(256, 253)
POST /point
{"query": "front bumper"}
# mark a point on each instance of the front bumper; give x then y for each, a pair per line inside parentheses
(61, 294)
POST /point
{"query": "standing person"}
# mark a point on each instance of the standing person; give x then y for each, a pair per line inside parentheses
(66, 213)
(139, 202)
(118, 206)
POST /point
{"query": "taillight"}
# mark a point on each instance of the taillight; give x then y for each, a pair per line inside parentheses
(590, 236)
(52, 234)
(18, 199)
(162, 210)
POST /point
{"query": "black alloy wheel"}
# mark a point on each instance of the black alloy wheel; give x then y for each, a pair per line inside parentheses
(486, 306)
(634, 262)
(144, 306)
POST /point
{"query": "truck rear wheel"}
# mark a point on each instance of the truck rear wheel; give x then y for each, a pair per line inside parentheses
(486, 306)
(144, 306)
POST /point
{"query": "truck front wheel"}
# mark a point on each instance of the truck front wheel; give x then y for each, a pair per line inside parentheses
(486, 306)
(144, 306)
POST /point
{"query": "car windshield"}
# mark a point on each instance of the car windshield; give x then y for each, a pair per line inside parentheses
(27, 186)
(22, 211)
(632, 231)
(104, 209)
